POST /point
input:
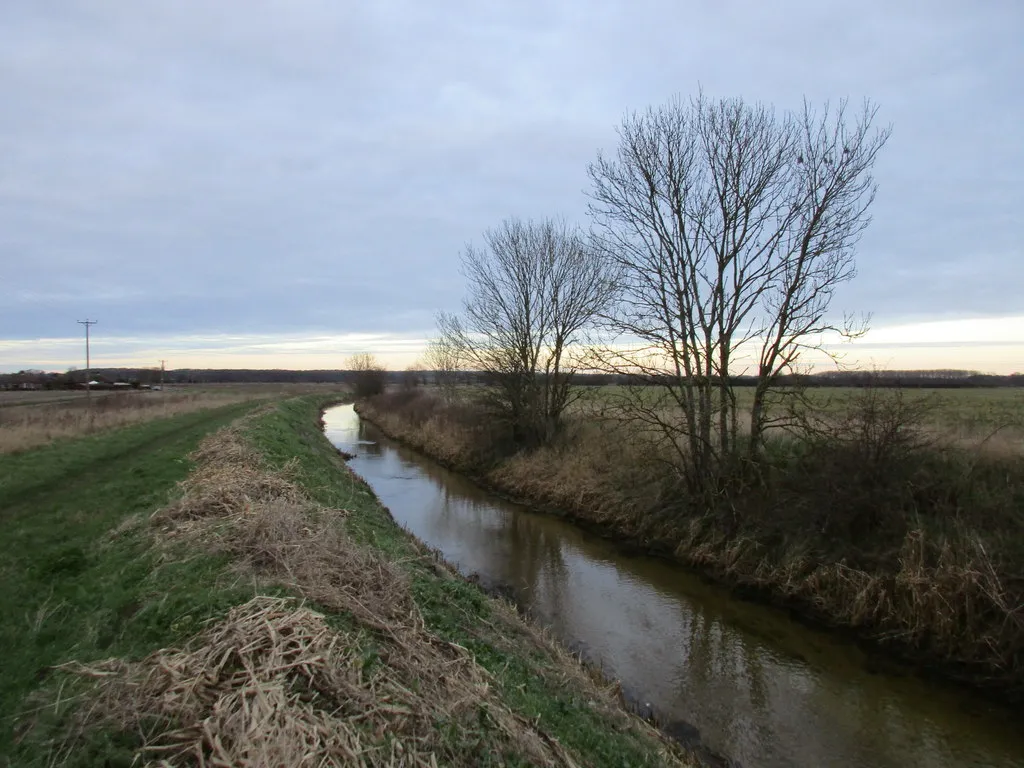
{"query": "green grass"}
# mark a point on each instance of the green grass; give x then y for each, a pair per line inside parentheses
(968, 410)
(72, 589)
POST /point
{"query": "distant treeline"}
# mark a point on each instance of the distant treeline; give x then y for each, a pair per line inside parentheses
(945, 378)
(938, 379)
(76, 378)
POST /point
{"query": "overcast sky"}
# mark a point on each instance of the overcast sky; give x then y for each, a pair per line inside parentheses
(278, 183)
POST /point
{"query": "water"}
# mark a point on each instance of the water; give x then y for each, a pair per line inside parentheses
(744, 680)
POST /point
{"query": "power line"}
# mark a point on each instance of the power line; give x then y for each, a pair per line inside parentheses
(88, 368)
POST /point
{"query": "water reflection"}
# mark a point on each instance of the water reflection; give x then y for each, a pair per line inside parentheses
(757, 687)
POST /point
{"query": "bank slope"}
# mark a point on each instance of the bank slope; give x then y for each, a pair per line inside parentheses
(289, 618)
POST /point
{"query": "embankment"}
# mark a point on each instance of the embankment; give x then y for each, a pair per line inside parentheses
(272, 613)
(919, 554)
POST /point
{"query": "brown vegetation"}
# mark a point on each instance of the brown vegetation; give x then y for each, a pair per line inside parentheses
(274, 684)
(867, 524)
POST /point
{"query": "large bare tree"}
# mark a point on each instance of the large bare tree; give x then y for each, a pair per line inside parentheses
(732, 227)
(532, 290)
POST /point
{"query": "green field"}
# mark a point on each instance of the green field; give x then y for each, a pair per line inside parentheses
(971, 415)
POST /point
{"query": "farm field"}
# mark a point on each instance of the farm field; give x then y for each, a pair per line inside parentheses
(15, 398)
(994, 416)
(32, 419)
(966, 411)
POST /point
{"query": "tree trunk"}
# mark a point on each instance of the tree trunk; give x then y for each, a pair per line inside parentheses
(757, 421)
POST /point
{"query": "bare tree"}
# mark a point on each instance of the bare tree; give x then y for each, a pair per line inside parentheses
(732, 227)
(412, 377)
(442, 357)
(532, 290)
(368, 376)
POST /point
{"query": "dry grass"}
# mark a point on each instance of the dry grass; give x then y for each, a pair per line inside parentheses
(275, 683)
(17, 398)
(945, 600)
(434, 436)
(30, 426)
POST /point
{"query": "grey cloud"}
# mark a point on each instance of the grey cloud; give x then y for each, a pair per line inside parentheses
(315, 166)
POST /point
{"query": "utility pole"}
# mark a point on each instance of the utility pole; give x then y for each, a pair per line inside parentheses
(88, 371)
(162, 363)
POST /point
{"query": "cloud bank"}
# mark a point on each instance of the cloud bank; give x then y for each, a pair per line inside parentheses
(292, 171)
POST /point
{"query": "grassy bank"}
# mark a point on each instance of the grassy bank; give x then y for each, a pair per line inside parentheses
(255, 604)
(918, 547)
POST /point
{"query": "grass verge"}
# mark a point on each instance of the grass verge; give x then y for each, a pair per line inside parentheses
(272, 614)
(536, 680)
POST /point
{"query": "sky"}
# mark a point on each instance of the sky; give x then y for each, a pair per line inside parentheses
(281, 183)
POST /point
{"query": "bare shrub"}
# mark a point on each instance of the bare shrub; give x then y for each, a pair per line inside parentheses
(368, 376)
(860, 475)
(442, 359)
(880, 427)
(412, 377)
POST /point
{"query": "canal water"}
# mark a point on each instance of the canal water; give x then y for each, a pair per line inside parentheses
(742, 680)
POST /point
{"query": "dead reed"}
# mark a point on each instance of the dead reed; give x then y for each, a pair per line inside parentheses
(272, 685)
(944, 600)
